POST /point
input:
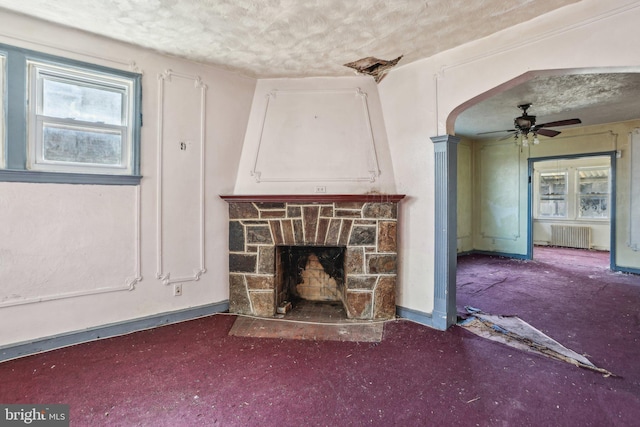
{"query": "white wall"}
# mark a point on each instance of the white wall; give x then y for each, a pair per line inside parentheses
(316, 132)
(71, 255)
(422, 100)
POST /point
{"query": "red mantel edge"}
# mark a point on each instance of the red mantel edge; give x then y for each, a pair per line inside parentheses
(313, 198)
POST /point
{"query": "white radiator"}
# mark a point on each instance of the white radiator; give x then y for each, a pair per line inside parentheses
(571, 236)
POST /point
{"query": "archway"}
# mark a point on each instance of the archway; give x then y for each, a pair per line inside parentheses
(524, 219)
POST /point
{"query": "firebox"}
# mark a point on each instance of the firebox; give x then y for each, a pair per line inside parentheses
(313, 247)
(312, 273)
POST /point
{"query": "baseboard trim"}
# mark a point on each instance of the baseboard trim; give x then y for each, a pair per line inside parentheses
(500, 254)
(14, 351)
(626, 270)
(415, 315)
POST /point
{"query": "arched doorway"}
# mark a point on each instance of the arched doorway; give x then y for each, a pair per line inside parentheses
(521, 212)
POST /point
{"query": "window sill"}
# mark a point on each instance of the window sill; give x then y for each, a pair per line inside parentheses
(571, 220)
(12, 175)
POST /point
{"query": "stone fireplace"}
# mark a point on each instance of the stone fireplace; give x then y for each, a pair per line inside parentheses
(314, 247)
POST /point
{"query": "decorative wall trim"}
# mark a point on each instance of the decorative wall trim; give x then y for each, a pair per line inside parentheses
(634, 190)
(166, 276)
(14, 351)
(373, 174)
(129, 282)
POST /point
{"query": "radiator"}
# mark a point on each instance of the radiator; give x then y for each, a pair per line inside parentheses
(571, 236)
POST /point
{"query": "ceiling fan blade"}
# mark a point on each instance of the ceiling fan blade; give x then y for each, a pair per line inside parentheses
(560, 123)
(547, 132)
(511, 135)
(496, 131)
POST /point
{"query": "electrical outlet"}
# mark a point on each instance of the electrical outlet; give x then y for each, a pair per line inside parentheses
(320, 189)
(177, 289)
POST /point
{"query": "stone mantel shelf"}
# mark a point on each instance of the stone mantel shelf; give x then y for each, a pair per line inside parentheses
(313, 198)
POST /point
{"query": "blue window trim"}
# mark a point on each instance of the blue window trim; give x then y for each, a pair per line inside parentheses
(15, 136)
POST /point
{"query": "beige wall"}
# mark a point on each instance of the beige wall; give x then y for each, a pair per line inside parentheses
(500, 179)
(465, 196)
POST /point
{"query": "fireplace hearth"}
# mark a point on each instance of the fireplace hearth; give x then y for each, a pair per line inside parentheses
(316, 248)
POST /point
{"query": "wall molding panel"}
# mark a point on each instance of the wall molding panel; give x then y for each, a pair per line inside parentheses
(181, 178)
(494, 209)
(129, 283)
(294, 123)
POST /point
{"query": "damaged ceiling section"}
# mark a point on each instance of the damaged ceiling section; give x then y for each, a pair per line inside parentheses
(375, 67)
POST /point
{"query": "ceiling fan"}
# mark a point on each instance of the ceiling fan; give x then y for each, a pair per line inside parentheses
(526, 124)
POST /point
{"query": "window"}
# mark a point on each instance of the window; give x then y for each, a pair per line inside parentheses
(553, 195)
(577, 190)
(593, 192)
(70, 121)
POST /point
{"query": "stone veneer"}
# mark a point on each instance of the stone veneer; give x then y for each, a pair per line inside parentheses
(366, 225)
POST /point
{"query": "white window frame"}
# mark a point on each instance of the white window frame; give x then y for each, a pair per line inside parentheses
(17, 150)
(540, 215)
(580, 194)
(40, 71)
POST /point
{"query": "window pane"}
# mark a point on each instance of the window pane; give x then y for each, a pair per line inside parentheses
(553, 208)
(593, 199)
(593, 207)
(553, 184)
(553, 190)
(79, 102)
(76, 145)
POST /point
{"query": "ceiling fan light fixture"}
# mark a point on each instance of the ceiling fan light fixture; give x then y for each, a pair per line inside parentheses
(524, 122)
(536, 141)
(525, 141)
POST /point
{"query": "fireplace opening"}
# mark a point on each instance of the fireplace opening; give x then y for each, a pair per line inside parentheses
(309, 278)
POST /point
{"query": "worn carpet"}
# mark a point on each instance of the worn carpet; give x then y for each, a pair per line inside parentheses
(195, 374)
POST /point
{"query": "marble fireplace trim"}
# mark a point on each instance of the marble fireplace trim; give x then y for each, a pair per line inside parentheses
(365, 224)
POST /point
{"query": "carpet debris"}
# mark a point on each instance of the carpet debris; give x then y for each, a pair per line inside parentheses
(515, 332)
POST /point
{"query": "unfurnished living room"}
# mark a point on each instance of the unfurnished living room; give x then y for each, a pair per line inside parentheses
(388, 213)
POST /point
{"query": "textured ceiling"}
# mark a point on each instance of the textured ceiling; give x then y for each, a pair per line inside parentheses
(301, 38)
(593, 98)
(290, 38)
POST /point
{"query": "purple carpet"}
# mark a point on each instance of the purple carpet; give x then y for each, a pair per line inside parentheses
(193, 373)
